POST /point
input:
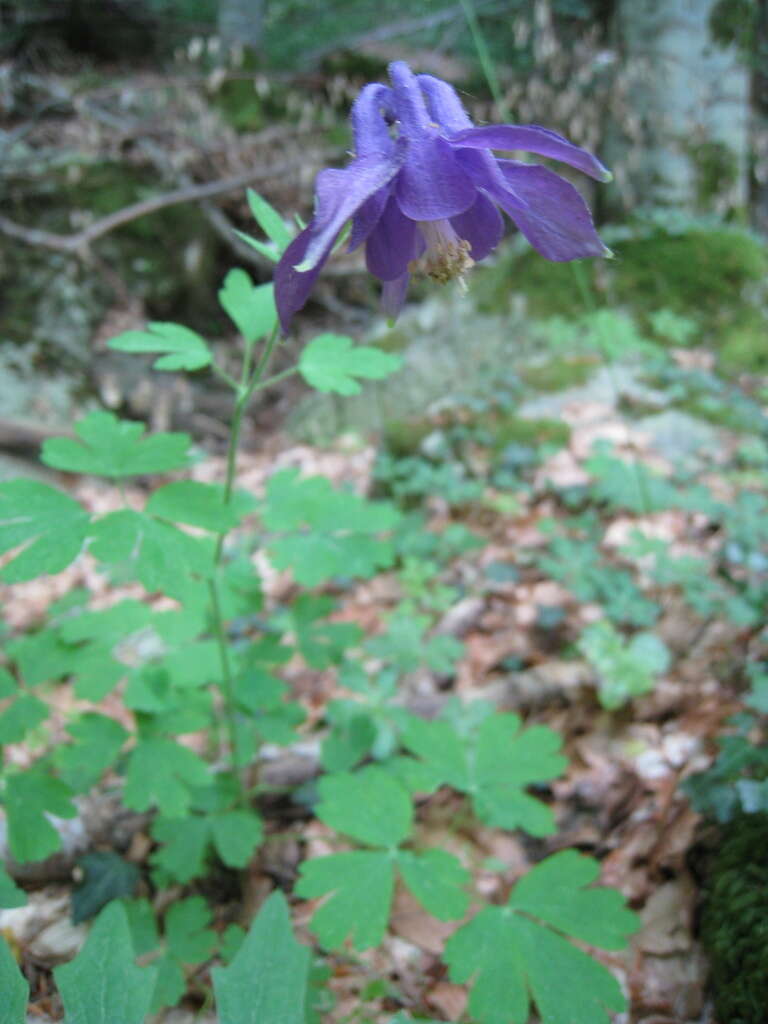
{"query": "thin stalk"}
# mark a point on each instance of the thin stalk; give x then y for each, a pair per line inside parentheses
(485, 58)
(244, 392)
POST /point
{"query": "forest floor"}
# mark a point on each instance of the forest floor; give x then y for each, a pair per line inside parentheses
(518, 602)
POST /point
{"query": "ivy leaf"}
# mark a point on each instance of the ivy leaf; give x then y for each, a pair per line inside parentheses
(185, 349)
(251, 307)
(436, 879)
(522, 951)
(198, 504)
(236, 834)
(267, 980)
(28, 795)
(331, 362)
(51, 525)
(107, 876)
(10, 896)
(162, 773)
(493, 761)
(14, 986)
(102, 984)
(116, 448)
(361, 884)
(368, 805)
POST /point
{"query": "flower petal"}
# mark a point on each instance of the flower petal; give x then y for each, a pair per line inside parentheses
(408, 100)
(444, 105)
(432, 185)
(481, 225)
(369, 123)
(557, 221)
(292, 287)
(532, 139)
(392, 244)
(367, 217)
(393, 295)
(339, 194)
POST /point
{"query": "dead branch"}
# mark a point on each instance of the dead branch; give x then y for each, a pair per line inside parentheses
(80, 241)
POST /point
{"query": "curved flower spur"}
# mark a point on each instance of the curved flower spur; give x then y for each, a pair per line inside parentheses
(423, 191)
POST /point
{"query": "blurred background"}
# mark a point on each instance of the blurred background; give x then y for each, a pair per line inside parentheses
(179, 105)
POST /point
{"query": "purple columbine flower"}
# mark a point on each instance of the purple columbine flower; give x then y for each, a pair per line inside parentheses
(423, 191)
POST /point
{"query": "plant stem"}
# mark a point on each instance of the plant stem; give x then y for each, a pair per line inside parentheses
(484, 56)
(244, 393)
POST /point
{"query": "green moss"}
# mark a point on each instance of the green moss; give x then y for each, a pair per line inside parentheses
(717, 169)
(733, 925)
(403, 437)
(712, 276)
(508, 430)
(744, 348)
(558, 373)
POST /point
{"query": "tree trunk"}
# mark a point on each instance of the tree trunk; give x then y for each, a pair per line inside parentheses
(682, 139)
(759, 183)
(240, 24)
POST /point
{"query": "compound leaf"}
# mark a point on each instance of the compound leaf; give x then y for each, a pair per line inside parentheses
(185, 842)
(331, 362)
(108, 446)
(102, 984)
(162, 773)
(51, 525)
(185, 350)
(22, 715)
(28, 795)
(436, 878)
(368, 805)
(251, 307)
(493, 762)
(236, 834)
(98, 739)
(510, 955)
(189, 938)
(361, 884)
(199, 504)
(267, 980)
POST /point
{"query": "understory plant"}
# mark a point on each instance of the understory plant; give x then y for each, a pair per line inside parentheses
(196, 662)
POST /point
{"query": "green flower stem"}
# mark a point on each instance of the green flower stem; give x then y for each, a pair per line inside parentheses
(244, 392)
(484, 56)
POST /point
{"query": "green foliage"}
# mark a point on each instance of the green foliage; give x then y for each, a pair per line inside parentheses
(331, 362)
(491, 759)
(102, 984)
(375, 809)
(324, 532)
(28, 796)
(110, 447)
(183, 349)
(106, 876)
(267, 979)
(52, 527)
(625, 670)
(15, 988)
(250, 307)
(522, 952)
(733, 918)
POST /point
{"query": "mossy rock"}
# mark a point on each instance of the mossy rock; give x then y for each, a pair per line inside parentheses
(734, 924)
(558, 373)
(716, 276)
